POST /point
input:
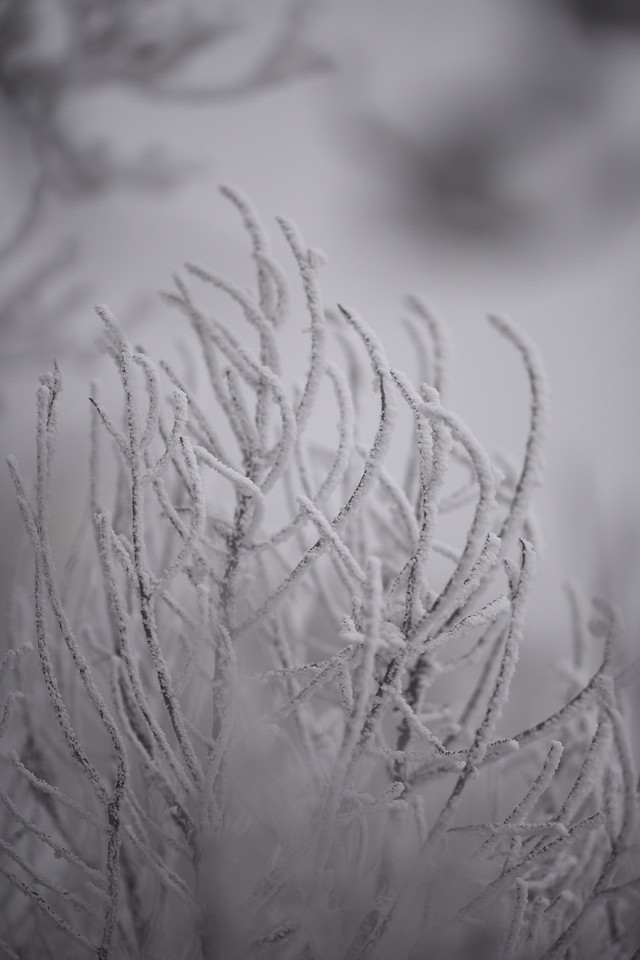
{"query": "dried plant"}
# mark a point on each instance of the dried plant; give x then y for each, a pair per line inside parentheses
(258, 714)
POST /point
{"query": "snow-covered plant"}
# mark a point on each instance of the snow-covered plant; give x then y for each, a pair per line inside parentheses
(258, 713)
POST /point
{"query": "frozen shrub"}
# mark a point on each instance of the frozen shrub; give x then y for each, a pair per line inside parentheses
(229, 728)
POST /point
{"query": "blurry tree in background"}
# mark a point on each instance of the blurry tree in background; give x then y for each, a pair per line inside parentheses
(53, 52)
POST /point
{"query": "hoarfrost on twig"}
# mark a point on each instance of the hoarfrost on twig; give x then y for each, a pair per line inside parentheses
(268, 665)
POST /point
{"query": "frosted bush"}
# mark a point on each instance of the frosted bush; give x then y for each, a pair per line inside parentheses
(258, 714)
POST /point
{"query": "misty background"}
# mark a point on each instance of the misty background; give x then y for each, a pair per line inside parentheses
(483, 154)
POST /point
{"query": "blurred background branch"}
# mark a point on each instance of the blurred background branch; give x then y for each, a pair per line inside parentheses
(53, 51)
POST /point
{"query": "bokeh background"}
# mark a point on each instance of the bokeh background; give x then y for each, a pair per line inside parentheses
(484, 154)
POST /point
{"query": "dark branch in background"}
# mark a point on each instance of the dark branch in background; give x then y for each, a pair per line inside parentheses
(49, 52)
